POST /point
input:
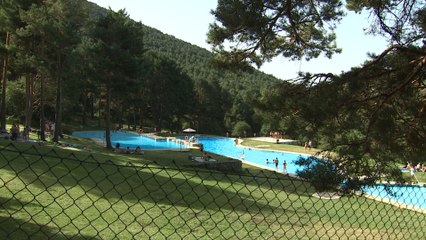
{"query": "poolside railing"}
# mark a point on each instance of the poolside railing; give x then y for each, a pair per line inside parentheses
(46, 195)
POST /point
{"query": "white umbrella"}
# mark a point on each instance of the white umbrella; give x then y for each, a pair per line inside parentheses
(189, 130)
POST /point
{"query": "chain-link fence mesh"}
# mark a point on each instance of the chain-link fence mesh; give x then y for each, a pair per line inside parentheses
(47, 196)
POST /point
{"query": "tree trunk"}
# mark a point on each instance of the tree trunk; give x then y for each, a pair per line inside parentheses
(42, 118)
(134, 119)
(29, 99)
(128, 120)
(160, 119)
(92, 106)
(140, 117)
(4, 83)
(108, 120)
(58, 108)
(42, 98)
(120, 117)
(84, 102)
(99, 111)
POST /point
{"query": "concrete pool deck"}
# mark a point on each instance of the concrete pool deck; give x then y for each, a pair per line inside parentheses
(272, 140)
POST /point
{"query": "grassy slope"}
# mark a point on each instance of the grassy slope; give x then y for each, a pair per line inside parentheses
(278, 147)
(88, 194)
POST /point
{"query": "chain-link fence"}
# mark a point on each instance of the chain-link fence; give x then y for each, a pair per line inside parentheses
(44, 195)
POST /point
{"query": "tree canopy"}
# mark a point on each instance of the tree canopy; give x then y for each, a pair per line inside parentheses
(366, 119)
(259, 30)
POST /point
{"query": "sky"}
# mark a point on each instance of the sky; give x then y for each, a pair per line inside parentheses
(189, 20)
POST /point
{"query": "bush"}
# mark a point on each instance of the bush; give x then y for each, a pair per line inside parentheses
(241, 129)
(320, 173)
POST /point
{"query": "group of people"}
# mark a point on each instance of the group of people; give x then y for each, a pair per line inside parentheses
(275, 134)
(140, 131)
(276, 163)
(191, 139)
(15, 133)
(127, 150)
(420, 167)
(49, 130)
(308, 145)
(49, 127)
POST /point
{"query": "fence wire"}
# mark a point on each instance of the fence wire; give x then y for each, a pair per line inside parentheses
(44, 195)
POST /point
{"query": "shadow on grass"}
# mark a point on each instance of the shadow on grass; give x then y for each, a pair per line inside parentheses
(171, 185)
(12, 227)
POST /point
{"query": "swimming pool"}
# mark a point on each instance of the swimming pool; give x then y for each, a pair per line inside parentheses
(407, 194)
(258, 157)
(131, 140)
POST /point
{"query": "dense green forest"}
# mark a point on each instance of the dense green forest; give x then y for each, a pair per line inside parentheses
(232, 93)
(74, 61)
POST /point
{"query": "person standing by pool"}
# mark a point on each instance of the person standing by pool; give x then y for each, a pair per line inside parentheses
(276, 162)
(284, 166)
(117, 147)
(14, 131)
(26, 134)
(412, 173)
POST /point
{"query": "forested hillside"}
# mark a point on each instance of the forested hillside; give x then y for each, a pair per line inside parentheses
(225, 97)
(240, 88)
(222, 99)
(197, 62)
(75, 61)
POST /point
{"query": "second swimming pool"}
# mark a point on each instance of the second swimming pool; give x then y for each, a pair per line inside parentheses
(258, 157)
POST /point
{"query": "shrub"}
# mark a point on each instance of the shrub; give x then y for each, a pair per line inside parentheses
(320, 173)
(241, 129)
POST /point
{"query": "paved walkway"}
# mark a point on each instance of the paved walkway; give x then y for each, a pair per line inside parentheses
(271, 140)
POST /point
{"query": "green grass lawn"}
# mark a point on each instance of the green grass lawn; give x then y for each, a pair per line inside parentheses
(47, 192)
(278, 147)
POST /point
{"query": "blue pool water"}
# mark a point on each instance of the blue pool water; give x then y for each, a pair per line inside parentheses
(131, 140)
(226, 147)
(412, 195)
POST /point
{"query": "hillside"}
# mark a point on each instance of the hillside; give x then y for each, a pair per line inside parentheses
(234, 90)
(196, 62)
